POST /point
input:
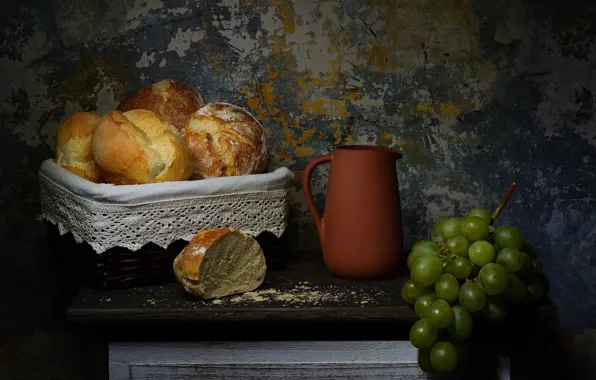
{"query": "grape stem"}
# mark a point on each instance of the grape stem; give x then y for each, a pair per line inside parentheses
(503, 203)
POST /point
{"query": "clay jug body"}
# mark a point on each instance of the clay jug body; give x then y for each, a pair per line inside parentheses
(361, 230)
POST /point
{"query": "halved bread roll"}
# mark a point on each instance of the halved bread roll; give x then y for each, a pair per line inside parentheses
(219, 262)
(73, 145)
(137, 147)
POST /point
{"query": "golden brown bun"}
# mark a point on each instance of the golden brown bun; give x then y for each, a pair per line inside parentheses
(225, 140)
(137, 147)
(73, 145)
(173, 101)
(219, 262)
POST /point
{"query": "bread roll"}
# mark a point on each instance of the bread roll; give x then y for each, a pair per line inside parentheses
(219, 262)
(73, 145)
(137, 147)
(173, 101)
(225, 140)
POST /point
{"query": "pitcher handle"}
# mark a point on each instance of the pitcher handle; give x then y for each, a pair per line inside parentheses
(306, 185)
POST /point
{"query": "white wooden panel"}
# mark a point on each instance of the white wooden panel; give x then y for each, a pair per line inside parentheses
(264, 360)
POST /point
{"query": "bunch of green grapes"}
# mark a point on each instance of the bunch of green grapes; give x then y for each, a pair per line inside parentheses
(468, 269)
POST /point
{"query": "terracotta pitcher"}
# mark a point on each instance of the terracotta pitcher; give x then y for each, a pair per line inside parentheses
(361, 231)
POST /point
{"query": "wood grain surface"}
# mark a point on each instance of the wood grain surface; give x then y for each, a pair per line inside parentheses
(264, 360)
(303, 290)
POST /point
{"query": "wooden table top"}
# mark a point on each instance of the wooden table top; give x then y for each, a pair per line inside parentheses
(302, 291)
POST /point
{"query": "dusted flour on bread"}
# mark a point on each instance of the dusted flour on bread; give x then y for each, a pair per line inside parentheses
(225, 140)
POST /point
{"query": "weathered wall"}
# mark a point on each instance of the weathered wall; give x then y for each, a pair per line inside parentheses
(476, 94)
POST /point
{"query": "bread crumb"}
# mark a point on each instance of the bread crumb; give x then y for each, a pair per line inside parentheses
(268, 291)
(284, 297)
(302, 294)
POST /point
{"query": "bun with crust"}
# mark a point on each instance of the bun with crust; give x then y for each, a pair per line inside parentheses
(225, 140)
(73, 145)
(137, 147)
(173, 101)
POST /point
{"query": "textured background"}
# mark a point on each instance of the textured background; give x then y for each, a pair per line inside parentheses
(476, 94)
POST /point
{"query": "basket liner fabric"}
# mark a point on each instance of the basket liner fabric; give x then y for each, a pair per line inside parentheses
(131, 216)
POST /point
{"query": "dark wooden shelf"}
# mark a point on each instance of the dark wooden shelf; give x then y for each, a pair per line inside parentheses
(299, 301)
(302, 291)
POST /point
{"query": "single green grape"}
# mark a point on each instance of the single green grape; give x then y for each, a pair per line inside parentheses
(411, 291)
(474, 228)
(493, 278)
(458, 245)
(425, 301)
(422, 248)
(460, 268)
(438, 227)
(511, 259)
(481, 213)
(528, 249)
(423, 335)
(481, 253)
(535, 290)
(447, 287)
(515, 292)
(440, 314)
(426, 270)
(451, 228)
(448, 266)
(509, 237)
(446, 263)
(419, 242)
(461, 327)
(495, 311)
(471, 297)
(424, 361)
(425, 248)
(437, 240)
(443, 356)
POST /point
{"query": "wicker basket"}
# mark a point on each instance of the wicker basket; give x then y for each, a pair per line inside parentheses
(130, 235)
(120, 268)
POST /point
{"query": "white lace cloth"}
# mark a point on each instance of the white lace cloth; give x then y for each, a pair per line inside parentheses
(131, 216)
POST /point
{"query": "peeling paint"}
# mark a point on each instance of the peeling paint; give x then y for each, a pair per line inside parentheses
(285, 12)
(303, 151)
(183, 39)
(140, 10)
(146, 60)
(473, 96)
(330, 108)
